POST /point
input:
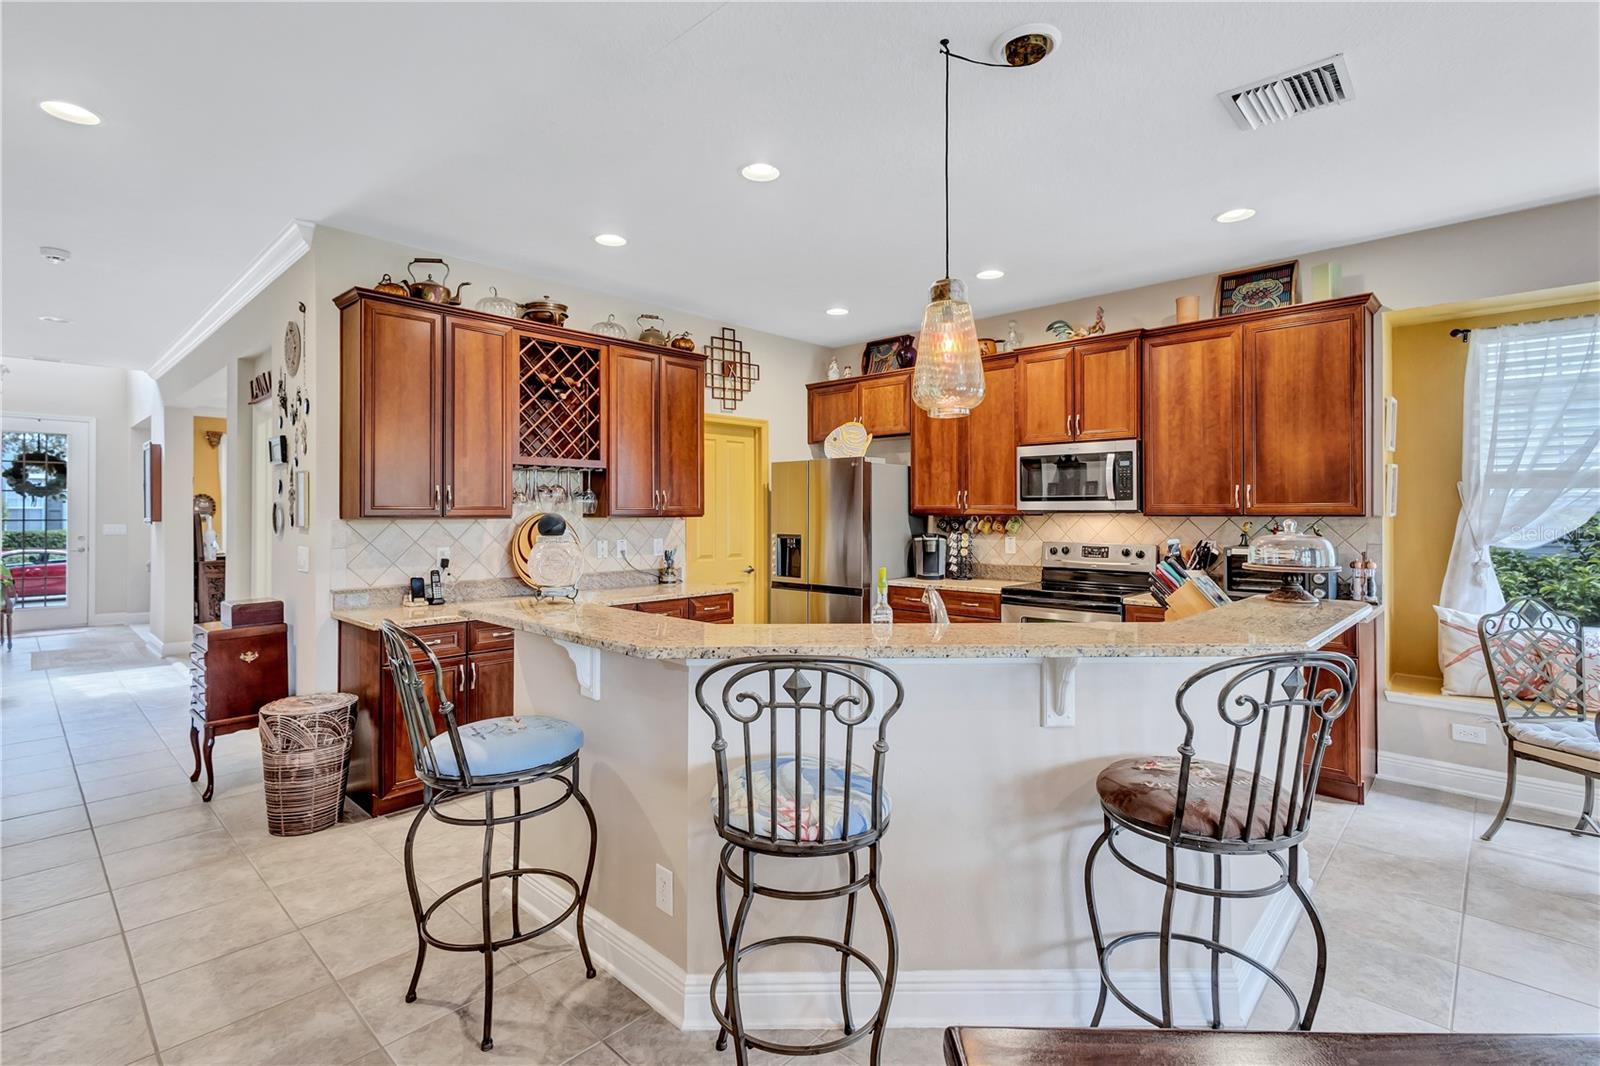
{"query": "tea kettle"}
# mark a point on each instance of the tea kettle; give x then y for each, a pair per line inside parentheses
(390, 287)
(655, 332)
(434, 292)
(682, 342)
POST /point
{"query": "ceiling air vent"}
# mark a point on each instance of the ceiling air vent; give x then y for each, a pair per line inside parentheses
(1309, 88)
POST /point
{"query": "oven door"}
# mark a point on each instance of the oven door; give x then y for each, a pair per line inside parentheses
(1078, 477)
(1032, 612)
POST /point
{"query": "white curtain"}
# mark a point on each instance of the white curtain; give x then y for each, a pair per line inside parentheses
(1530, 456)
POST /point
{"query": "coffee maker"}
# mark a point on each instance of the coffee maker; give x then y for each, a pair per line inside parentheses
(930, 555)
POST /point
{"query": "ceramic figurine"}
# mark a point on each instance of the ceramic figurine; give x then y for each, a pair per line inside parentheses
(833, 368)
(1061, 328)
(1099, 321)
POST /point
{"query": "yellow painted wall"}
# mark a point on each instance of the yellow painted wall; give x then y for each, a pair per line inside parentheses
(207, 468)
(1428, 369)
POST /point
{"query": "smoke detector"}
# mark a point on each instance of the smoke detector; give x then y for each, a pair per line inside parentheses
(55, 256)
(1294, 92)
(1025, 45)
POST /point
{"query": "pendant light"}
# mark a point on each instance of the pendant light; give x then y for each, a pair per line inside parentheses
(948, 379)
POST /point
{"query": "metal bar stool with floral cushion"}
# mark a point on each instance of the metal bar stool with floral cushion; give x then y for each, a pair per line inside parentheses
(795, 789)
(485, 757)
(1277, 711)
(1535, 658)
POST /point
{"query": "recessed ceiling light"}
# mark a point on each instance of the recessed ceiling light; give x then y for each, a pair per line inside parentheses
(55, 319)
(837, 311)
(1237, 214)
(79, 116)
(610, 240)
(760, 172)
(990, 274)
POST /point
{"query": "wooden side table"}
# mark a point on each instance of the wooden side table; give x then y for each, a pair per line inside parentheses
(232, 673)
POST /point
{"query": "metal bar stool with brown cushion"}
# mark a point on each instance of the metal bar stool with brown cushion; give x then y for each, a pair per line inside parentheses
(1535, 657)
(484, 757)
(1278, 711)
(796, 790)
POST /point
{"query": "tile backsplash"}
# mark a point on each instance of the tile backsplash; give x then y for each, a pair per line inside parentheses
(1350, 536)
(377, 553)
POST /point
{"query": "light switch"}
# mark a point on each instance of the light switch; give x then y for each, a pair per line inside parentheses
(302, 559)
(658, 546)
(1011, 545)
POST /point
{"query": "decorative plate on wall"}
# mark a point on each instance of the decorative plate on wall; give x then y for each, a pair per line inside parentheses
(204, 504)
(292, 350)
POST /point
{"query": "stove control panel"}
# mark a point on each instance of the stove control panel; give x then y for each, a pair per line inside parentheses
(1102, 556)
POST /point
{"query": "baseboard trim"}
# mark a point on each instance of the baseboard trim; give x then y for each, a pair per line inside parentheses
(922, 998)
(1557, 796)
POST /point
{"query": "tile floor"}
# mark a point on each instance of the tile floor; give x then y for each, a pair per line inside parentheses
(138, 925)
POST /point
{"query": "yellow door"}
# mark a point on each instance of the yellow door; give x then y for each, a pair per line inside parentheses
(727, 545)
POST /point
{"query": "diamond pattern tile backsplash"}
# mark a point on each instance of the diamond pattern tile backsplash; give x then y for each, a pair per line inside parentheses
(375, 553)
(1350, 536)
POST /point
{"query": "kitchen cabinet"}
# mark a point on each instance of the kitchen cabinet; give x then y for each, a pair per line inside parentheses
(427, 411)
(1351, 760)
(1079, 390)
(961, 605)
(477, 666)
(656, 433)
(969, 465)
(1262, 414)
(881, 402)
(716, 608)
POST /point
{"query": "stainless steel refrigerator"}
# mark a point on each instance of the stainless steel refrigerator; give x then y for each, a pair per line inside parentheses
(833, 523)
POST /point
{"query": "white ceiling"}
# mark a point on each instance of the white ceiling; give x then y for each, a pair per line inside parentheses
(511, 134)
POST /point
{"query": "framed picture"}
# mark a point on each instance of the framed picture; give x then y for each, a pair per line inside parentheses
(152, 483)
(278, 449)
(890, 353)
(1258, 288)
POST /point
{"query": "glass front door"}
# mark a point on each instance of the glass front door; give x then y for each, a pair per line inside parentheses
(45, 524)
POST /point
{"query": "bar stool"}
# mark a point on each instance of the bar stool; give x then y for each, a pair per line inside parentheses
(785, 796)
(1208, 808)
(485, 757)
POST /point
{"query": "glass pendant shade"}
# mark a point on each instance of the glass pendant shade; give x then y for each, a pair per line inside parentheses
(948, 379)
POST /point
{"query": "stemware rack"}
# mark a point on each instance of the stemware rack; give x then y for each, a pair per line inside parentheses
(566, 490)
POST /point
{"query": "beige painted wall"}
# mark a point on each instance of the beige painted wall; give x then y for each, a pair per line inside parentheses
(208, 465)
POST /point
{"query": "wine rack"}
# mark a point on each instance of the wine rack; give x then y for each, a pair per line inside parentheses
(559, 402)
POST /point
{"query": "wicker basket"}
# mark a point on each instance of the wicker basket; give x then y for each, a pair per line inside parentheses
(305, 758)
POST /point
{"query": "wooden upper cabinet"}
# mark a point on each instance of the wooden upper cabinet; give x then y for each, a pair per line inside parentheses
(1193, 422)
(969, 465)
(681, 435)
(991, 442)
(937, 458)
(634, 414)
(1305, 408)
(885, 404)
(1105, 390)
(1044, 395)
(480, 418)
(391, 411)
(881, 402)
(830, 405)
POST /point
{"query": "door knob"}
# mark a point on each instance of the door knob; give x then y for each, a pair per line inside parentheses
(749, 569)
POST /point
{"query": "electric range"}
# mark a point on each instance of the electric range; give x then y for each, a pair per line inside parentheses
(1081, 583)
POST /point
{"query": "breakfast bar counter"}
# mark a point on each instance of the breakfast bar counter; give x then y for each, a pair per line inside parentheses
(991, 766)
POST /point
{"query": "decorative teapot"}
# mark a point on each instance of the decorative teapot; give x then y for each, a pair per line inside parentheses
(682, 342)
(653, 333)
(390, 287)
(434, 292)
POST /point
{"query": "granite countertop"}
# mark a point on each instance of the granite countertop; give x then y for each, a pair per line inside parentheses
(1141, 599)
(447, 613)
(971, 584)
(1248, 627)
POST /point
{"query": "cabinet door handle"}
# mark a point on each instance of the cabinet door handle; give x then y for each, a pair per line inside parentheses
(449, 497)
(436, 495)
(1235, 497)
(500, 633)
(249, 656)
(461, 675)
(474, 674)
(1249, 496)
(435, 642)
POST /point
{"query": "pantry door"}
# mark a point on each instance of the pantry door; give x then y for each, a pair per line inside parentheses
(46, 536)
(727, 546)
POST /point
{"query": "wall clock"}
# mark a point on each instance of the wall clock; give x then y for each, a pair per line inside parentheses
(292, 349)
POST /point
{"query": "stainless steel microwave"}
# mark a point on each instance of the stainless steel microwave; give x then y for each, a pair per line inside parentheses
(1091, 476)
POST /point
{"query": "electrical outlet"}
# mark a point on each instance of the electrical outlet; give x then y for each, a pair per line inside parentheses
(663, 890)
(1011, 545)
(1469, 734)
(302, 559)
(602, 549)
(657, 546)
(622, 548)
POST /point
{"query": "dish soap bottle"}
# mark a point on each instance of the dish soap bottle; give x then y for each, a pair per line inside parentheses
(882, 613)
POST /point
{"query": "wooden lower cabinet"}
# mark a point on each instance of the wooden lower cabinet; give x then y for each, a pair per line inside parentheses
(1137, 612)
(716, 608)
(477, 669)
(1351, 761)
(960, 604)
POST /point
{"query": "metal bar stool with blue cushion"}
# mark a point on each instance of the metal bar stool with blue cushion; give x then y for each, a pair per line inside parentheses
(1534, 655)
(794, 789)
(1279, 710)
(484, 756)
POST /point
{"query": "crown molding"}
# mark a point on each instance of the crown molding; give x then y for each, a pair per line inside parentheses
(284, 251)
